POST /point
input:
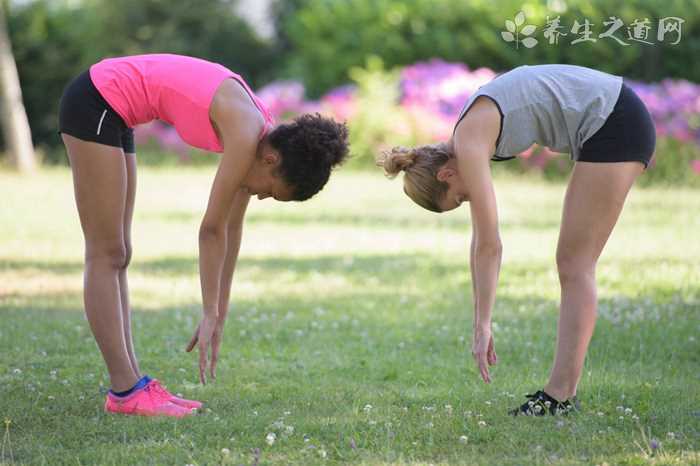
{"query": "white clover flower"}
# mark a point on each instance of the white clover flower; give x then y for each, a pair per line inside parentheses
(367, 409)
(547, 404)
(537, 408)
(372, 423)
(278, 424)
(463, 439)
(322, 453)
(482, 424)
(51, 397)
(600, 414)
(628, 411)
(620, 409)
(225, 451)
(287, 413)
(635, 417)
(622, 418)
(488, 403)
(270, 438)
(17, 371)
(289, 430)
(670, 435)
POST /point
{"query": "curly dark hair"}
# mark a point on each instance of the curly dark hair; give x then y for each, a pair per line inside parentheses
(310, 146)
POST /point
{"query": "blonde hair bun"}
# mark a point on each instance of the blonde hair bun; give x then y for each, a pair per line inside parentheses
(396, 160)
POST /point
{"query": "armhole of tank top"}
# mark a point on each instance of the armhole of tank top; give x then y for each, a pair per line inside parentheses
(263, 113)
(500, 112)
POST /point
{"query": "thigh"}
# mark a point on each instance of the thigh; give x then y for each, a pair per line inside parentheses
(100, 183)
(594, 200)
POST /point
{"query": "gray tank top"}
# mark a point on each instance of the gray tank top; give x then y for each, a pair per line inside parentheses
(558, 106)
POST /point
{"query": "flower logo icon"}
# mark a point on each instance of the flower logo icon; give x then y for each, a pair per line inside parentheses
(513, 32)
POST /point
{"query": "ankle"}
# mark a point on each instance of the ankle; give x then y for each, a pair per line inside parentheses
(124, 384)
(559, 393)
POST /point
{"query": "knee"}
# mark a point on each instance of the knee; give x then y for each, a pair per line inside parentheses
(114, 255)
(573, 266)
(127, 257)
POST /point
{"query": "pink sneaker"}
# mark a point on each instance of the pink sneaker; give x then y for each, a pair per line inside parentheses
(185, 403)
(145, 402)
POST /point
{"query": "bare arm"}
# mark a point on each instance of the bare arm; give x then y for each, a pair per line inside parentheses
(474, 143)
(234, 234)
(472, 261)
(239, 124)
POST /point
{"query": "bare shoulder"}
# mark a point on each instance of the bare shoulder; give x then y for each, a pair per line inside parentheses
(479, 128)
(232, 108)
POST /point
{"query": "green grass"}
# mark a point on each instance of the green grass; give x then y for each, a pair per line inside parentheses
(354, 299)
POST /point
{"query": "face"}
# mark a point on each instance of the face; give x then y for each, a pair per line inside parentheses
(456, 193)
(263, 181)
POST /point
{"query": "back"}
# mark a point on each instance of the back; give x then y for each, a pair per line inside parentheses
(558, 106)
(173, 88)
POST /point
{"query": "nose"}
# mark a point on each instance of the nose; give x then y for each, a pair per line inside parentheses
(263, 196)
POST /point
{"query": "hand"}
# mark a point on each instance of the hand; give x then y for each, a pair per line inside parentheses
(208, 333)
(484, 351)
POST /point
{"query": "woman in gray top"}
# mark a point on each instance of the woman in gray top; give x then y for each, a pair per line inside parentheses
(607, 130)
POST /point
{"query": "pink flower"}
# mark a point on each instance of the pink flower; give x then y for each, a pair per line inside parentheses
(695, 166)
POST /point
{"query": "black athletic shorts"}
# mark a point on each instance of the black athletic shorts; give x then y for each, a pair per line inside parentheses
(85, 114)
(627, 135)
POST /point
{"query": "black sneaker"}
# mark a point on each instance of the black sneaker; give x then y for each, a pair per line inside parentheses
(541, 404)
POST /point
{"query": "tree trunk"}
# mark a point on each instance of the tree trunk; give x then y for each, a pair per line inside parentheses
(15, 126)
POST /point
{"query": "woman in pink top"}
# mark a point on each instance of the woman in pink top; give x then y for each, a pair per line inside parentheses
(213, 109)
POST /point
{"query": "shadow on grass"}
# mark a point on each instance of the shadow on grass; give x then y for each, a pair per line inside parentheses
(379, 220)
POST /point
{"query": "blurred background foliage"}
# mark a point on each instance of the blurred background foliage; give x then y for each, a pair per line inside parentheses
(327, 38)
(324, 44)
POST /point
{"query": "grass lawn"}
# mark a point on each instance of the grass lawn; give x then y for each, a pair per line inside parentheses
(349, 332)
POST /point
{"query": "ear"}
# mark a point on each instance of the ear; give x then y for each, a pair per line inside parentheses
(445, 173)
(271, 158)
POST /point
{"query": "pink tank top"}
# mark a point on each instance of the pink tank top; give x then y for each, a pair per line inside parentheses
(172, 88)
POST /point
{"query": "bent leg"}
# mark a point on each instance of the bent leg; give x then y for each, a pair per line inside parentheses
(594, 200)
(100, 182)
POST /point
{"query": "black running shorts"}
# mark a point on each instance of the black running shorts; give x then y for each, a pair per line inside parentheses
(627, 135)
(85, 114)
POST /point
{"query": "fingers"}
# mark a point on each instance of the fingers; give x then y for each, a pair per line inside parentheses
(215, 345)
(193, 341)
(492, 358)
(481, 359)
(484, 367)
(203, 350)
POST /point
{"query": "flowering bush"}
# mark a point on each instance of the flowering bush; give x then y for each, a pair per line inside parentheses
(419, 104)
